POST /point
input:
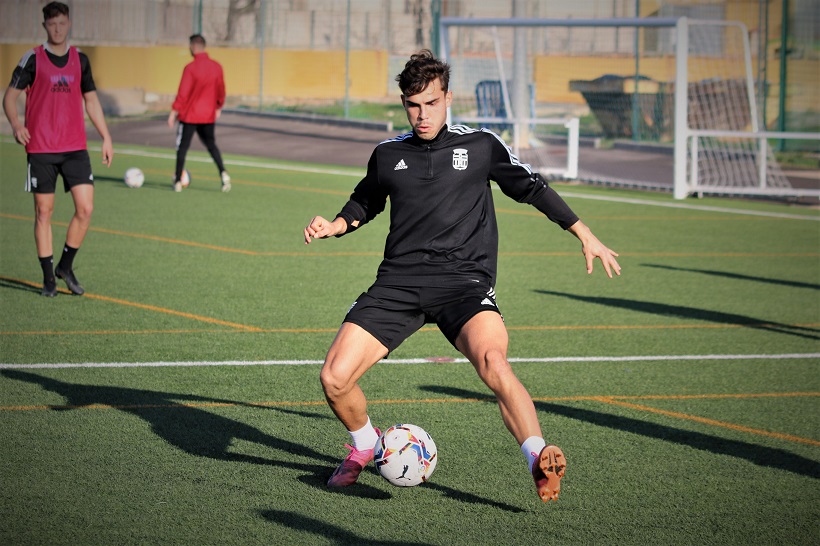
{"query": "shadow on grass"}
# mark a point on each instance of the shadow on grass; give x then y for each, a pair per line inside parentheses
(737, 276)
(324, 531)
(205, 434)
(5, 282)
(692, 313)
(760, 455)
(191, 429)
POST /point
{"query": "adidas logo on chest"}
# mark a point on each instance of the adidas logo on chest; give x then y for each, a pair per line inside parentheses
(400, 166)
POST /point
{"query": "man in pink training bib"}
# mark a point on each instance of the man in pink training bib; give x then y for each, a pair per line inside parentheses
(57, 80)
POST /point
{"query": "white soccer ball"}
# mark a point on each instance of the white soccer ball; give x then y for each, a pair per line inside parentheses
(405, 455)
(134, 178)
(185, 178)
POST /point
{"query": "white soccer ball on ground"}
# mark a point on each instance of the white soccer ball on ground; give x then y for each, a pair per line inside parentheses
(134, 178)
(405, 455)
(185, 178)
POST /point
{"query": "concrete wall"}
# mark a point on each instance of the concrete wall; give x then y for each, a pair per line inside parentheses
(287, 74)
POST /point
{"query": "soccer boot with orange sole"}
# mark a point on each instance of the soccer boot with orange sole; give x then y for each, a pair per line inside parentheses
(547, 471)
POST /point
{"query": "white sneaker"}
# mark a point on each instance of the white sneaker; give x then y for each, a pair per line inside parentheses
(177, 186)
(226, 182)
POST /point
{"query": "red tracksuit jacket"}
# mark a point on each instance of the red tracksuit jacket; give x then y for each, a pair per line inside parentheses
(201, 91)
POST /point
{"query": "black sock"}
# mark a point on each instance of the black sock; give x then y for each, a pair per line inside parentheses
(47, 264)
(67, 259)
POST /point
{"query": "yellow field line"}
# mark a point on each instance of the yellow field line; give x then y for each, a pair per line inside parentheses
(709, 396)
(713, 422)
(427, 329)
(488, 398)
(661, 326)
(297, 188)
(204, 245)
(147, 307)
(659, 218)
(535, 254)
(172, 331)
(245, 328)
(675, 254)
(611, 400)
(166, 311)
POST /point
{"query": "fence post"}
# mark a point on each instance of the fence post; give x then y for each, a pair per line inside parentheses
(681, 107)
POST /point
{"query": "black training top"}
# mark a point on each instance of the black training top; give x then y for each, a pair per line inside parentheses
(443, 228)
(26, 70)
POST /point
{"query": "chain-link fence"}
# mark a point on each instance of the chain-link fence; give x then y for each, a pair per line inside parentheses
(400, 27)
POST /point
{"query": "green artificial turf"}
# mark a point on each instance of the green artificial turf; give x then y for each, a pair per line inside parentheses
(178, 401)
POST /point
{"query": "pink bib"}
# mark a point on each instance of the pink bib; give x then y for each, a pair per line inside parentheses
(54, 106)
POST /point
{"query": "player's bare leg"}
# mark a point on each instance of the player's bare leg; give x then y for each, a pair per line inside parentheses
(484, 341)
(43, 209)
(83, 196)
(352, 353)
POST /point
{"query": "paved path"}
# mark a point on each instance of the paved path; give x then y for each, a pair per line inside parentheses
(334, 144)
(272, 138)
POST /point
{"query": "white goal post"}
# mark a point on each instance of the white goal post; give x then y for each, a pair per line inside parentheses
(730, 160)
(711, 154)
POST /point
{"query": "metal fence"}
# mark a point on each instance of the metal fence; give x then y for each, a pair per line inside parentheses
(398, 26)
(401, 27)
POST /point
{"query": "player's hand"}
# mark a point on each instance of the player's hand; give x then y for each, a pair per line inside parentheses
(22, 135)
(172, 118)
(107, 153)
(320, 228)
(595, 249)
(592, 248)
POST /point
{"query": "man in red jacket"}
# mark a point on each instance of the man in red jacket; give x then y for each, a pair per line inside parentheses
(198, 104)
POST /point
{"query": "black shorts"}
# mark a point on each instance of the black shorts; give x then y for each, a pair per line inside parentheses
(391, 313)
(74, 167)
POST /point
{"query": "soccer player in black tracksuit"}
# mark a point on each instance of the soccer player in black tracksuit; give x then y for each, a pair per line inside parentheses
(439, 264)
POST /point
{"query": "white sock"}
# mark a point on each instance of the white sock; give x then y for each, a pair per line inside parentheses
(365, 437)
(531, 448)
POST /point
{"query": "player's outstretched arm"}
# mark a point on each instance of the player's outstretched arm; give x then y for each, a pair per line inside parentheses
(320, 228)
(593, 248)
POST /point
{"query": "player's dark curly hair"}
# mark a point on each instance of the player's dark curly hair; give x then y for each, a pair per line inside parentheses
(420, 70)
(54, 9)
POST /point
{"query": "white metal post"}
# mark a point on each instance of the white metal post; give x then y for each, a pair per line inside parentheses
(573, 125)
(681, 189)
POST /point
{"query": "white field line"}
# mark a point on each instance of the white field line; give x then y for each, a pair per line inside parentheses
(359, 173)
(689, 207)
(242, 163)
(550, 360)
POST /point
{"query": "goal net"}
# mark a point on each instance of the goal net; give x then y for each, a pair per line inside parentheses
(665, 103)
(494, 88)
(727, 147)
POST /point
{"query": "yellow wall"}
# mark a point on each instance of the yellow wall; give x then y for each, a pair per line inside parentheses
(320, 74)
(553, 74)
(287, 73)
